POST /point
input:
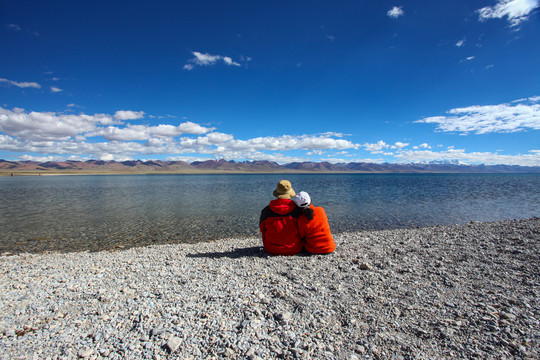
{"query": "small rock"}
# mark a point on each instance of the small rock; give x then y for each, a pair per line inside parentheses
(508, 316)
(229, 353)
(104, 352)
(174, 343)
(365, 266)
(157, 331)
(85, 352)
(360, 349)
(250, 352)
(283, 317)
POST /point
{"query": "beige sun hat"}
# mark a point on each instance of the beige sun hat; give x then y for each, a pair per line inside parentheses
(284, 190)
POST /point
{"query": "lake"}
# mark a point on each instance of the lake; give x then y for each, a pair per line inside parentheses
(96, 212)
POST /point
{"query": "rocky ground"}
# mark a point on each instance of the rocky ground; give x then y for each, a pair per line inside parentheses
(467, 291)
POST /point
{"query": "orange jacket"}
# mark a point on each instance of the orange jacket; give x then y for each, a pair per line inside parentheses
(279, 227)
(316, 232)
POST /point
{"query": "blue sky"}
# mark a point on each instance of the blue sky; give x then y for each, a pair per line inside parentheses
(338, 81)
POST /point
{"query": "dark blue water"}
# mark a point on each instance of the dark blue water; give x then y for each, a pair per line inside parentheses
(97, 212)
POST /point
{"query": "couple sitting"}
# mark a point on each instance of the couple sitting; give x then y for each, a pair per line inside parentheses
(290, 223)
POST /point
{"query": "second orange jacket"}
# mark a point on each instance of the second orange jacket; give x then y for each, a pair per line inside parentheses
(316, 232)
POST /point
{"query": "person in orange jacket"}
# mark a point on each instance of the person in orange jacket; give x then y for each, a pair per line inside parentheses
(313, 226)
(279, 223)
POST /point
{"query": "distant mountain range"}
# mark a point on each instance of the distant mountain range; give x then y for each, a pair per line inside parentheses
(209, 166)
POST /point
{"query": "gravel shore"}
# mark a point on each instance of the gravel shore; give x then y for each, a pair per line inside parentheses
(446, 292)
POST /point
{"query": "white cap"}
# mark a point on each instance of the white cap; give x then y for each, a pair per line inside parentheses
(302, 199)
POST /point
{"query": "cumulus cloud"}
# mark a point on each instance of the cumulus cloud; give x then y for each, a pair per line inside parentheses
(515, 11)
(50, 126)
(126, 142)
(123, 115)
(145, 132)
(49, 133)
(532, 158)
(399, 145)
(422, 146)
(520, 115)
(377, 147)
(395, 12)
(288, 142)
(189, 127)
(103, 136)
(200, 59)
(21, 84)
(47, 126)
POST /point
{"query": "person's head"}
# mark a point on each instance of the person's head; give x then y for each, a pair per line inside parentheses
(302, 199)
(284, 190)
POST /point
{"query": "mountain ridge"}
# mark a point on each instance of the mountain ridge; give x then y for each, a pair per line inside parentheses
(260, 166)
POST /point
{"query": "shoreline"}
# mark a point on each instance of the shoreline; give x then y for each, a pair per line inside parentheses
(80, 242)
(7, 173)
(442, 292)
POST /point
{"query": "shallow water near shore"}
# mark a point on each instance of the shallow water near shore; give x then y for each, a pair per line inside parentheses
(77, 213)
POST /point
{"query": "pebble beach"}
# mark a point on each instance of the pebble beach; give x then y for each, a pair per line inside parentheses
(446, 292)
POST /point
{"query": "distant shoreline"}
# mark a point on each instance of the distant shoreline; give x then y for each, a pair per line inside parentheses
(201, 172)
(4, 173)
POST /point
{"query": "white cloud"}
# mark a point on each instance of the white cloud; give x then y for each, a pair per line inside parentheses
(21, 84)
(229, 61)
(519, 115)
(46, 126)
(516, 11)
(288, 142)
(14, 27)
(144, 132)
(17, 28)
(216, 145)
(460, 43)
(219, 138)
(461, 156)
(423, 146)
(55, 89)
(205, 59)
(470, 58)
(129, 133)
(399, 145)
(49, 126)
(201, 59)
(332, 133)
(395, 12)
(377, 147)
(128, 115)
(192, 128)
(102, 136)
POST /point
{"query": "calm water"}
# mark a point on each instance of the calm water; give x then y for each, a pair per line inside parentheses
(103, 212)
